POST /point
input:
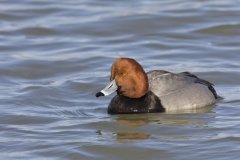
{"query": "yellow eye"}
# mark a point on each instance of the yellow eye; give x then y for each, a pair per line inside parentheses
(122, 73)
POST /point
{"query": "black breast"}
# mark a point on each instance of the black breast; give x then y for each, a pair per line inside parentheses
(147, 104)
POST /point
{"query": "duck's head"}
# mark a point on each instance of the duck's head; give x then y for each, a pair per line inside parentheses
(127, 78)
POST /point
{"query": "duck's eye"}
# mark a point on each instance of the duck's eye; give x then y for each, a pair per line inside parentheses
(124, 74)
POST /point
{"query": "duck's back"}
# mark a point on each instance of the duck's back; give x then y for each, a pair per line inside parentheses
(182, 91)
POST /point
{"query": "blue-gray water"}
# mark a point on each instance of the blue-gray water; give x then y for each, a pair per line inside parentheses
(55, 55)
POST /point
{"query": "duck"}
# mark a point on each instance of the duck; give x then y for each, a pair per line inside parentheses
(155, 91)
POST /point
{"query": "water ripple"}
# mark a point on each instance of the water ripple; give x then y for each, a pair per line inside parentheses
(54, 57)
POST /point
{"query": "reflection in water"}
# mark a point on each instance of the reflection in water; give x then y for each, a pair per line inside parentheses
(133, 119)
(135, 126)
(178, 118)
(128, 136)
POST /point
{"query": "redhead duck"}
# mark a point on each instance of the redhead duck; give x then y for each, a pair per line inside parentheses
(155, 91)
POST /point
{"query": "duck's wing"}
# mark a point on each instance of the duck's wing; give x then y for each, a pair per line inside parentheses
(201, 81)
(181, 91)
(164, 82)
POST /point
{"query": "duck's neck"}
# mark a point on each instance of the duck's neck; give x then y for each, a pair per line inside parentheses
(146, 104)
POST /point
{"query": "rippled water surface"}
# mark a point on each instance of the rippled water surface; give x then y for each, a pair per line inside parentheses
(55, 55)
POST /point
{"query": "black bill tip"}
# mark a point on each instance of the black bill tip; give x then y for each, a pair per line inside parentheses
(99, 94)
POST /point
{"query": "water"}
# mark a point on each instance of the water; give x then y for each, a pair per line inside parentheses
(54, 56)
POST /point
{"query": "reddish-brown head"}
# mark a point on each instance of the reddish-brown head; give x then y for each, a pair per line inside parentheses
(130, 78)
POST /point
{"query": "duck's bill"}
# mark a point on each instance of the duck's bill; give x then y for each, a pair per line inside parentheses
(109, 89)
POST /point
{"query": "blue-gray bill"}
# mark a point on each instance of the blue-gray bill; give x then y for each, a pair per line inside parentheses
(109, 89)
